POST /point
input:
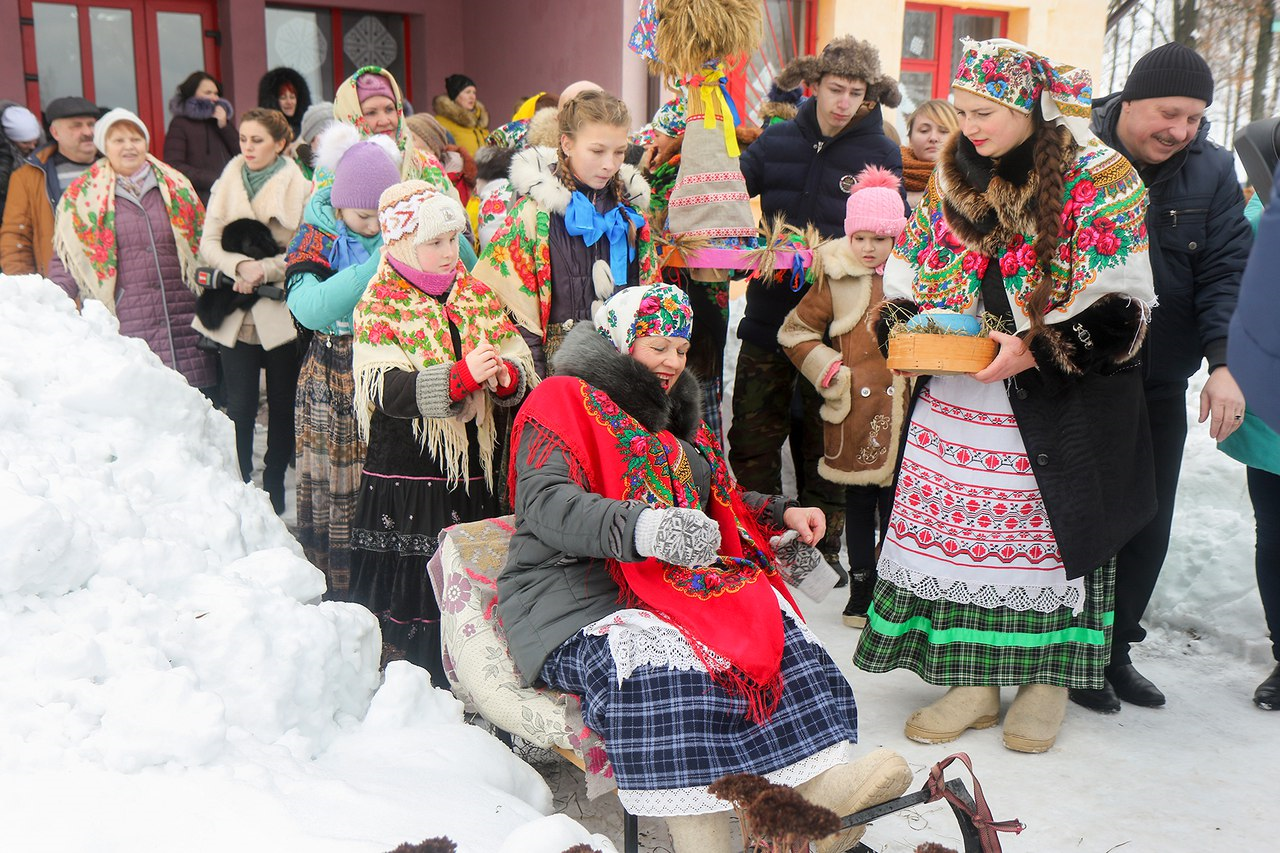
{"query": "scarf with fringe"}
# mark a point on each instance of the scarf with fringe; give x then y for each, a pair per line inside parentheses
(727, 611)
(398, 327)
(84, 232)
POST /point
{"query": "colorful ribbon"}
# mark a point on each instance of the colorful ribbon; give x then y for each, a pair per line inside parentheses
(581, 219)
(716, 101)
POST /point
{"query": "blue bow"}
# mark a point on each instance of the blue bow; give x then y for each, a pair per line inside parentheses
(581, 219)
(346, 250)
(797, 272)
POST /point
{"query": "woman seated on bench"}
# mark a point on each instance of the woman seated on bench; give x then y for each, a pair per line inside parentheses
(640, 578)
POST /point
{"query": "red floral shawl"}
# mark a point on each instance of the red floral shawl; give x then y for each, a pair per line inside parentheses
(728, 611)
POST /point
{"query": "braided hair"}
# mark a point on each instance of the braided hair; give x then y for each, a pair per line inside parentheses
(593, 106)
(1051, 155)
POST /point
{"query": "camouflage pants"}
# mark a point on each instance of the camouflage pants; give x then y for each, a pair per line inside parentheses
(763, 387)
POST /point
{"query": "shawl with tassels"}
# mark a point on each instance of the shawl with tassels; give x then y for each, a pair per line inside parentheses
(84, 232)
(729, 610)
(398, 327)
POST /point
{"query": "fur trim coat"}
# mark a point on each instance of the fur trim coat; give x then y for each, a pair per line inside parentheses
(269, 94)
(470, 128)
(280, 205)
(517, 261)
(1080, 410)
(865, 408)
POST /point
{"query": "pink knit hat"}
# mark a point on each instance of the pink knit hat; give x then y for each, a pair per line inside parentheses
(875, 204)
(369, 85)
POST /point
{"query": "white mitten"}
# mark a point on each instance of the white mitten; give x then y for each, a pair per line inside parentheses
(682, 537)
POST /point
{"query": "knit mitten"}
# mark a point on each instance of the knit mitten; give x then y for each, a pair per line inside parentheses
(682, 537)
(1035, 717)
(960, 709)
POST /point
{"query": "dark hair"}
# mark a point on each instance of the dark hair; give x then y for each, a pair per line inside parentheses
(493, 162)
(545, 100)
(187, 88)
(273, 120)
(1053, 150)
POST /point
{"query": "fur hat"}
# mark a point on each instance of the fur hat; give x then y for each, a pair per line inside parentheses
(544, 128)
(315, 120)
(850, 58)
(493, 162)
(875, 204)
(414, 212)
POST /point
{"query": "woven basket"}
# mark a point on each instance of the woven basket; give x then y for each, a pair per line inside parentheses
(940, 355)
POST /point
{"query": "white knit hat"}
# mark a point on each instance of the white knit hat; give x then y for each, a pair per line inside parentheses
(418, 212)
(112, 118)
(20, 124)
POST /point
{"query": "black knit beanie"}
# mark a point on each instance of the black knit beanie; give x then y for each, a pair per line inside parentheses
(455, 83)
(1171, 70)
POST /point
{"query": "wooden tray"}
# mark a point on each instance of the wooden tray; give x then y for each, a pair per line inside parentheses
(940, 355)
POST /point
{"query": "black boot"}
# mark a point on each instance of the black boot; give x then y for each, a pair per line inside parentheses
(861, 584)
(273, 485)
(1103, 700)
(1267, 696)
(1134, 688)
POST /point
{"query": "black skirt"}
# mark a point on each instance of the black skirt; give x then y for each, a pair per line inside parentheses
(405, 501)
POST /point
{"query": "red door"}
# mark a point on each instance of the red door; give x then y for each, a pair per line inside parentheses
(117, 53)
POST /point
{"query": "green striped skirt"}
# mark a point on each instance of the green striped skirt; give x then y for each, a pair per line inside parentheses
(963, 645)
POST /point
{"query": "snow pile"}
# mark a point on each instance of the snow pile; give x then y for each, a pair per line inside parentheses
(163, 640)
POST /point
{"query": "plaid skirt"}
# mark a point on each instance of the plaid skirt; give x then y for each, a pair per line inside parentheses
(329, 458)
(668, 729)
(964, 645)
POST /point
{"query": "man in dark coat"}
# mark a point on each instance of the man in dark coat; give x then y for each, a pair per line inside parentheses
(1199, 244)
(802, 170)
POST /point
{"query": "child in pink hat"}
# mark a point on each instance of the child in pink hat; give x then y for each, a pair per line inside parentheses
(865, 404)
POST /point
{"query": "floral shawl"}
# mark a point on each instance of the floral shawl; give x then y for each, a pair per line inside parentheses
(85, 235)
(398, 327)
(416, 165)
(942, 255)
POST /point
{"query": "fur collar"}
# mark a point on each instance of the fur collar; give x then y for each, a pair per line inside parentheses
(533, 173)
(985, 201)
(446, 107)
(589, 357)
(199, 109)
(839, 261)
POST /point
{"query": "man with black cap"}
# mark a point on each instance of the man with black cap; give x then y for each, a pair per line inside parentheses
(1200, 242)
(26, 235)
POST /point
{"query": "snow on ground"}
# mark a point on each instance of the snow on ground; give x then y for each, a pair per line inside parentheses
(168, 680)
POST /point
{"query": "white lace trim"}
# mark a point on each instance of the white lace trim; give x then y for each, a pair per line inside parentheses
(1042, 599)
(791, 614)
(638, 638)
(666, 802)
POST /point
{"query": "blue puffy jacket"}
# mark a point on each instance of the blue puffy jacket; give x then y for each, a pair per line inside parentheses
(1255, 331)
(805, 177)
(1199, 246)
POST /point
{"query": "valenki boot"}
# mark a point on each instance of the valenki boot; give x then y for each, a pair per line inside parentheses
(962, 708)
(1035, 717)
(848, 788)
(700, 833)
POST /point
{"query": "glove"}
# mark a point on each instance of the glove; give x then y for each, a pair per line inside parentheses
(802, 566)
(682, 537)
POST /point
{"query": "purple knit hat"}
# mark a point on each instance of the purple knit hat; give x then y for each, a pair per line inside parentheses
(369, 85)
(364, 171)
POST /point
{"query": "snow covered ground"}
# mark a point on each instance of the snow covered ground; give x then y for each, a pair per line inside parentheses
(168, 681)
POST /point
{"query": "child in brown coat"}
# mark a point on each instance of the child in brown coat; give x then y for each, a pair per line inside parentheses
(830, 337)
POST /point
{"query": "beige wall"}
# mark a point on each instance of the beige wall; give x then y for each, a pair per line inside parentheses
(1067, 31)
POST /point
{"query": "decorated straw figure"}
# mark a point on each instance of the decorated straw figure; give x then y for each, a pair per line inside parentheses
(689, 41)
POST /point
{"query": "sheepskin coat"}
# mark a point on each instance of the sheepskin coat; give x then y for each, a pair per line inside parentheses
(470, 128)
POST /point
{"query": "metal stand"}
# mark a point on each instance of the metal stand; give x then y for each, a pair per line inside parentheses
(969, 832)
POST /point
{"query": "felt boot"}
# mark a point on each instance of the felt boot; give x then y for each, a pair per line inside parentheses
(849, 788)
(960, 709)
(700, 833)
(1035, 717)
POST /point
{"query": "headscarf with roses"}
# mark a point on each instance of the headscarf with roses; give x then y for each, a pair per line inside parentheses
(1017, 77)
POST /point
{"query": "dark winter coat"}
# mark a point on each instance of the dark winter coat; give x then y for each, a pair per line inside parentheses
(556, 581)
(1080, 411)
(269, 94)
(196, 146)
(1199, 246)
(1255, 330)
(153, 302)
(805, 177)
(10, 156)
